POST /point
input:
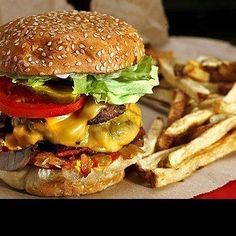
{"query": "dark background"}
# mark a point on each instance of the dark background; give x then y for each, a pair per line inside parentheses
(204, 18)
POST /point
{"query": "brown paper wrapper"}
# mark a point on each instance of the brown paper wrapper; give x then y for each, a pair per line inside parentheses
(148, 17)
(11, 9)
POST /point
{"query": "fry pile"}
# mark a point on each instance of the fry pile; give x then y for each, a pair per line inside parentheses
(201, 123)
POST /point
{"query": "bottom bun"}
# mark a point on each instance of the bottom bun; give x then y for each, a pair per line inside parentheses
(50, 182)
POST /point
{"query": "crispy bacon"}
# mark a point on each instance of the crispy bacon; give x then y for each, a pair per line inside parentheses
(68, 151)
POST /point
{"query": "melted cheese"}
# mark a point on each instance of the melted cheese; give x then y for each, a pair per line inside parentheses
(72, 130)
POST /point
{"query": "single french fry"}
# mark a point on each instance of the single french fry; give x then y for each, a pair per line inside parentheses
(155, 105)
(163, 176)
(164, 141)
(163, 95)
(188, 121)
(212, 87)
(210, 101)
(209, 137)
(217, 118)
(177, 107)
(152, 136)
(231, 95)
(224, 107)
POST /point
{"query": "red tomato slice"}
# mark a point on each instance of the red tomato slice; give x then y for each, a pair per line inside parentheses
(19, 101)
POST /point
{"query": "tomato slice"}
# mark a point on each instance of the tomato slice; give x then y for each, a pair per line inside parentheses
(19, 101)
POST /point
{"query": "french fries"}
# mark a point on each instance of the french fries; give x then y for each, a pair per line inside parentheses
(190, 87)
(163, 176)
(201, 120)
(193, 70)
(209, 137)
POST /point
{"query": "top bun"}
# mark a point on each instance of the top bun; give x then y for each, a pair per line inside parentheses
(64, 42)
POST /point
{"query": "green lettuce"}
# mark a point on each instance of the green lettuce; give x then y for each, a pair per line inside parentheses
(124, 86)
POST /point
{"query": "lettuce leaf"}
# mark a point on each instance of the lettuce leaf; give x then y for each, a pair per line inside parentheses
(124, 86)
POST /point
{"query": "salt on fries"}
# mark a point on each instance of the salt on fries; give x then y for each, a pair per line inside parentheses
(201, 123)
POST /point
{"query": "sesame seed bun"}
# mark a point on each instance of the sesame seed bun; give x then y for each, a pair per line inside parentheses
(64, 42)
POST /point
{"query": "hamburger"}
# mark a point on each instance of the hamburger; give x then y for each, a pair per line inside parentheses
(69, 85)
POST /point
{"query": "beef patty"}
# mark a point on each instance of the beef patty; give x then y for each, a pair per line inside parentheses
(107, 113)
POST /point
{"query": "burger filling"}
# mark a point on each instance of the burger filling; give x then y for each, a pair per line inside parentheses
(77, 121)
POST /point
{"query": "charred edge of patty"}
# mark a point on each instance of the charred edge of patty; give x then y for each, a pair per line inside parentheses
(107, 113)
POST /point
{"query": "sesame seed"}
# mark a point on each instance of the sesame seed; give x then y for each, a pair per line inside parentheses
(78, 63)
(108, 36)
(50, 57)
(15, 58)
(73, 47)
(60, 42)
(85, 35)
(64, 56)
(41, 73)
(23, 45)
(8, 53)
(66, 65)
(77, 52)
(97, 67)
(41, 33)
(50, 64)
(33, 48)
(99, 53)
(89, 60)
(27, 69)
(81, 46)
(49, 43)
(112, 54)
(82, 51)
(91, 47)
(30, 59)
(59, 57)
(67, 38)
(26, 64)
(40, 49)
(60, 48)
